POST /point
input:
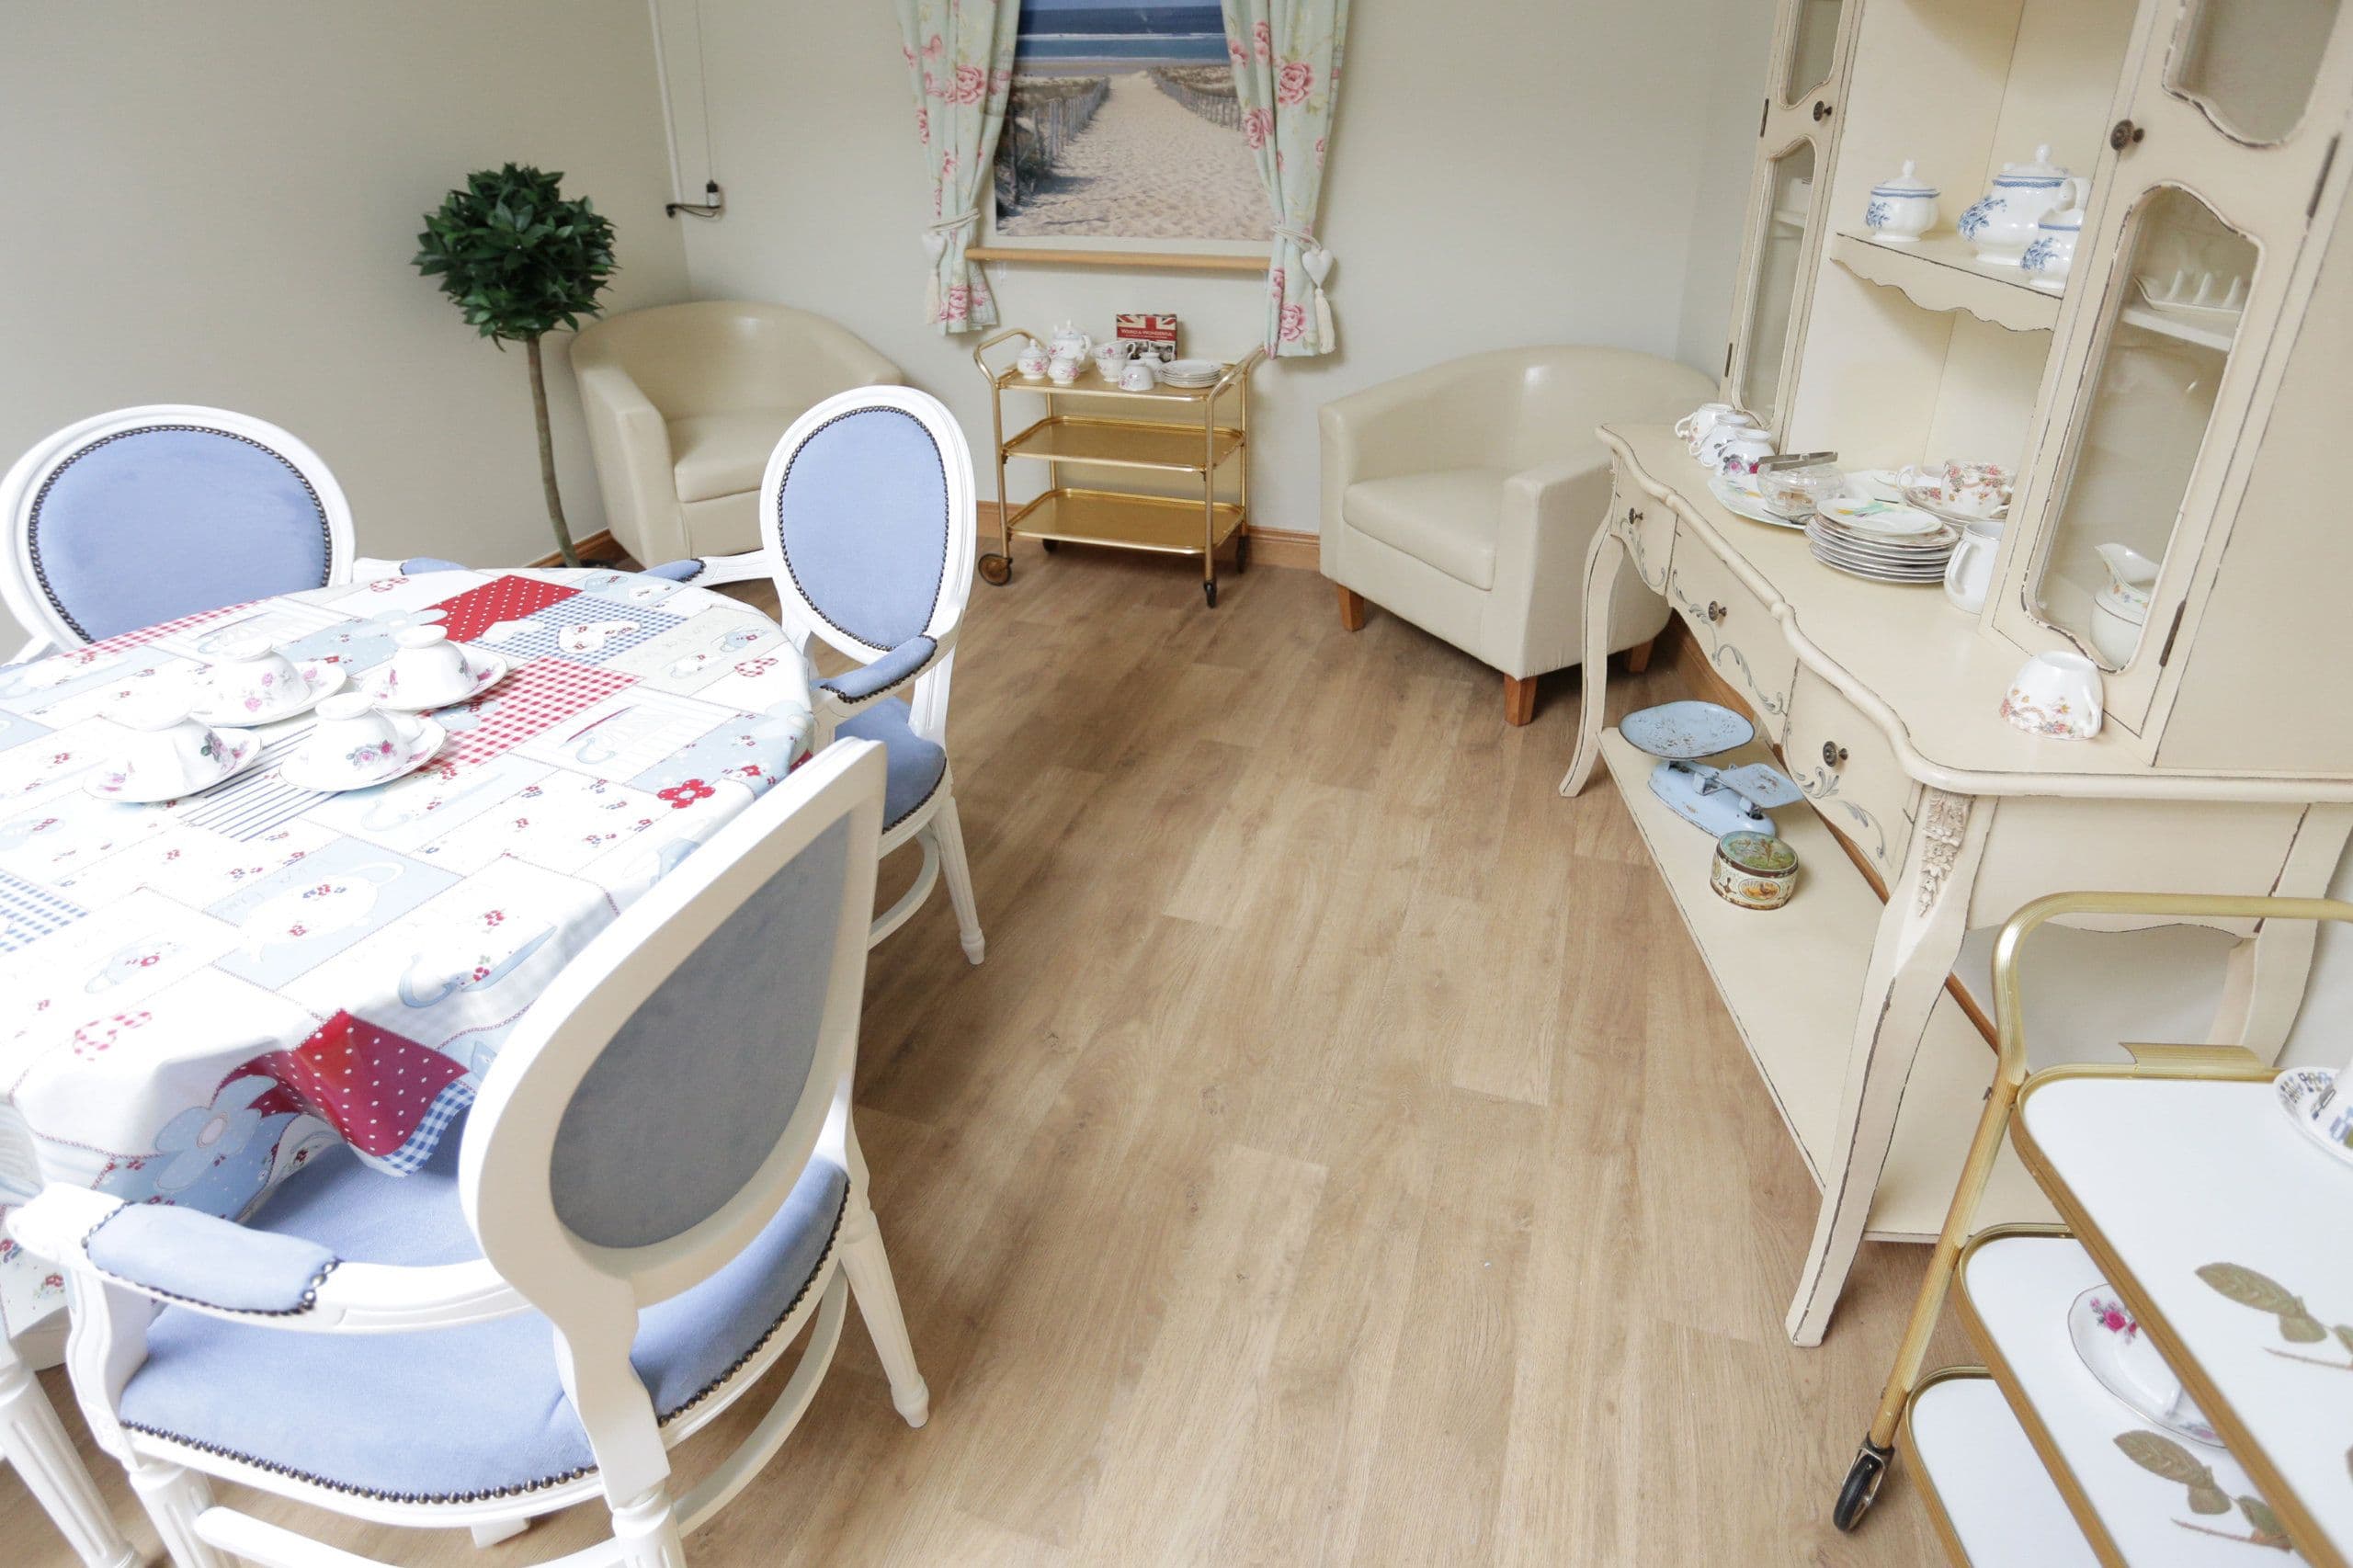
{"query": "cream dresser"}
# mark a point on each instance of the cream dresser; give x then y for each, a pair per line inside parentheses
(2208, 441)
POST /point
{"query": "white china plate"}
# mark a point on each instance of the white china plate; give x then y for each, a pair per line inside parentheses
(1879, 574)
(1680, 730)
(1191, 372)
(1824, 543)
(421, 747)
(1740, 504)
(1892, 519)
(485, 670)
(321, 680)
(2297, 1088)
(113, 781)
(2101, 1350)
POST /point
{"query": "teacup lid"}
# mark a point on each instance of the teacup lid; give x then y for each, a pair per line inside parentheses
(420, 636)
(1905, 184)
(2042, 171)
(346, 705)
(150, 712)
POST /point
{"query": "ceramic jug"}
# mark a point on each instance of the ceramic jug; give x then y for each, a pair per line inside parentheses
(2001, 223)
(1968, 572)
(2052, 253)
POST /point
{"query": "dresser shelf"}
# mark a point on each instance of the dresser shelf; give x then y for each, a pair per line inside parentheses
(1941, 272)
(1797, 1030)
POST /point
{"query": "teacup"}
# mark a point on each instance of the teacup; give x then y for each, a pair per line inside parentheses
(163, 749)
(355, 742)
(1061, 371)
(254, 677)
(1112, 358)
(2056, 695)
(1693, 428)
(1960, 489)
(1140, 375)
(1710, 449)
(427, 669)
(1737, 458)
(1031, 361)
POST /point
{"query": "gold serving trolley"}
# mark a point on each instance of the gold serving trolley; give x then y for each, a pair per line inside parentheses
(1187, 437)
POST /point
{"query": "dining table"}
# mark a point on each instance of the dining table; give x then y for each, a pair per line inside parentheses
(199, 995)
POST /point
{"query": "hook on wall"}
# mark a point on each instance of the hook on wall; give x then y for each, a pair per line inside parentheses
(715, 206)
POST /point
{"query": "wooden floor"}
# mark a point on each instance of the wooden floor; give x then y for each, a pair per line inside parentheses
(1342, 1156)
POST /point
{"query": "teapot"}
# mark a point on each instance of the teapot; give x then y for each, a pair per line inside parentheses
(1069, 343)
(2001, 223)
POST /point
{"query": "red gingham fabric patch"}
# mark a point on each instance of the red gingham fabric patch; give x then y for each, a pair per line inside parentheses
(373, 1085)
(123, 641)
(532, 698)
(476, 611)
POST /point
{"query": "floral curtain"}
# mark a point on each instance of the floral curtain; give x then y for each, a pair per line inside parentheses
(1287, 75)
(959, 58)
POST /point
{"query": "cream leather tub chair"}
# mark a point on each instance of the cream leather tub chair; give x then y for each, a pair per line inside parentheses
(685, 403)
(1463, 498)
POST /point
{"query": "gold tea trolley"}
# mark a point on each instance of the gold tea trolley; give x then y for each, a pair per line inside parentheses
(2203, 1232)
(1148, 441)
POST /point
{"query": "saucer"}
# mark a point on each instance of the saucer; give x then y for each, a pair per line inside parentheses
(421, 747)
(2298, 1087)
(2101, 1331)
(1868, 514)
(484, 670)
(114, 781)
(322, 678)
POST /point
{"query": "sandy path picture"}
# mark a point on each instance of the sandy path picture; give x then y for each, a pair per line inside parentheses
(1123, 123)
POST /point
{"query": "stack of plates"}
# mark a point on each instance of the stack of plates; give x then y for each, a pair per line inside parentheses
(1884, 542)
(1191, 373)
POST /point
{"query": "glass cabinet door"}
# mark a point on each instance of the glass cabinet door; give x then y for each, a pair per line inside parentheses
(1813, 49)
(1779, 253)
(2173, 304)
(2251, 64)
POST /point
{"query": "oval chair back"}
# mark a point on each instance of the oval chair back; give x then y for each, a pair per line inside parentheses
(148, 515)
(866, 521)
(657, 1106)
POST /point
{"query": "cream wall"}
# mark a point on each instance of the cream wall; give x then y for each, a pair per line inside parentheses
(216, 203)
(1517, 172)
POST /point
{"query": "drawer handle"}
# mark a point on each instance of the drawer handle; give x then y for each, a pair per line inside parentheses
(1715, 612)
(1634, 516)
(1833, 753)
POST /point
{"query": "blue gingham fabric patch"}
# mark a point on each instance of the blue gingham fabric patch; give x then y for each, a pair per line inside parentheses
(27, 912)
(583, 628)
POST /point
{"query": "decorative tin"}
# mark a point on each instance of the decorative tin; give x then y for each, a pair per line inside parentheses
(1754, 870)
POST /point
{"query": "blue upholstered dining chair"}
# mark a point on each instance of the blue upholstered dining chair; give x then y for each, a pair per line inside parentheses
(658, 1189)
(866, 521)
(146, 515)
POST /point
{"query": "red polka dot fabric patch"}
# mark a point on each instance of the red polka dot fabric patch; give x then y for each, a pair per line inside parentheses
(390, 1096)
(476, 611)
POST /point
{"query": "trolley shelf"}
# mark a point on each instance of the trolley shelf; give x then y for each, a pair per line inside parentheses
(1125, 443)
(1170, 525)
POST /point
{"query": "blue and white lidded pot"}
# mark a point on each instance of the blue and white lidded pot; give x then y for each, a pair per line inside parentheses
(2001, 223)
(1903, 208)
(2051, 252)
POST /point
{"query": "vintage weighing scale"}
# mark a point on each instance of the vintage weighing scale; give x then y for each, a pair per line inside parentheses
(1716, 800)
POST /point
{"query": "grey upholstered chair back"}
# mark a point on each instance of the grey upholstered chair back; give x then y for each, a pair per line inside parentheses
(658, 1103)
(149, 515)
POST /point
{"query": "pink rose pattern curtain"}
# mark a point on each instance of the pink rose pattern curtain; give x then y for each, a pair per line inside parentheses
(959, 58)
(1287, 76)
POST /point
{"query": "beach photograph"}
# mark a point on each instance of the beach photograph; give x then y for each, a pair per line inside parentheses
(1123, 124)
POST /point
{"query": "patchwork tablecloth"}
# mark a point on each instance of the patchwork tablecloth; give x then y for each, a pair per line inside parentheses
(197, 997)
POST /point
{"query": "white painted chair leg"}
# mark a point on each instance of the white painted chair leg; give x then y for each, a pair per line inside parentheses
(868, 1267)
(34, 1440)
(173, 1499)
(647, 1532)
(958, 870)
(487, 1536)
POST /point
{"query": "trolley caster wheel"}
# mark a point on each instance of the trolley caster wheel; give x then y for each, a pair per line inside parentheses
(1049, 545)
(1210, 589)
(996, 570)
(1242, 555)
(1863, 1478)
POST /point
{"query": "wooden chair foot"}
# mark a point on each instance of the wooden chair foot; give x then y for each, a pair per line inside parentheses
(1351, 609)
(1638, 658)
(1520, 699)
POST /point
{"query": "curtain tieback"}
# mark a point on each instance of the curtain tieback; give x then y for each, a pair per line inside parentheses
(1313, 256)
(937, 236)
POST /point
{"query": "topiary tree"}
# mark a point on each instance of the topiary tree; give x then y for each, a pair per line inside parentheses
(521, 261)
